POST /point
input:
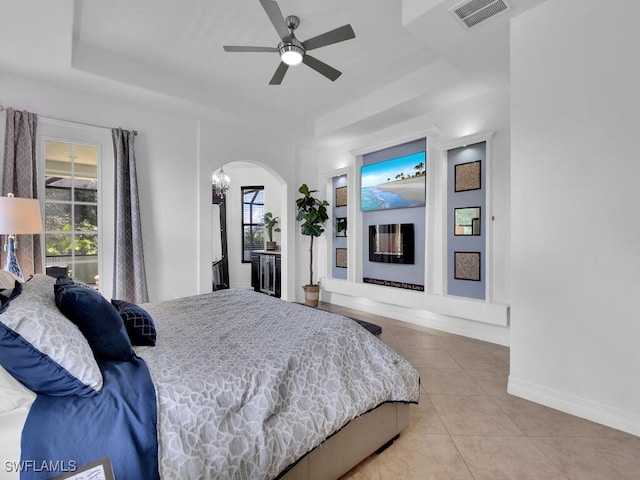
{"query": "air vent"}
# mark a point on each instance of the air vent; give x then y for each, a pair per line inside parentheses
(473, 12)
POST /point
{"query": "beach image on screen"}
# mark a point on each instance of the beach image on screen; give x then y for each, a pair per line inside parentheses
(396, 183)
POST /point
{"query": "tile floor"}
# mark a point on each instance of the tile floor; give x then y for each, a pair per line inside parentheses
(467, 427)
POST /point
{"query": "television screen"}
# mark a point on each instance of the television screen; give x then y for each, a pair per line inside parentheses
(392, 243)
(396, 183)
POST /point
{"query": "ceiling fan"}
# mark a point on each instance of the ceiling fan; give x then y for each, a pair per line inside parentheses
(292, 51)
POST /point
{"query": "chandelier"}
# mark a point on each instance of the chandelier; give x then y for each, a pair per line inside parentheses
(220, 182)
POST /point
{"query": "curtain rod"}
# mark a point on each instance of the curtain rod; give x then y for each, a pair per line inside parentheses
(134, 132)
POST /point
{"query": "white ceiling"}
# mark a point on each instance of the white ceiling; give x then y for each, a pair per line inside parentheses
(408, 56)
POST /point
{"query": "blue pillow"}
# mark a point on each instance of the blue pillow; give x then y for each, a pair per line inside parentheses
(8, 294)
(68, 281)
(138, 322)
(42, 348)
(97, 319)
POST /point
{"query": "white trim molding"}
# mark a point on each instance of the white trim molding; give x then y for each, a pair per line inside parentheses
(470, 318)
(582, 407)
(431, 133)
(467, 308)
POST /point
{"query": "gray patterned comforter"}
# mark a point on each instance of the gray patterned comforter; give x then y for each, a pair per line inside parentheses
(247, 384)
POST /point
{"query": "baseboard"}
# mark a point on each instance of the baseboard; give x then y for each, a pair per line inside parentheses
(581, 407)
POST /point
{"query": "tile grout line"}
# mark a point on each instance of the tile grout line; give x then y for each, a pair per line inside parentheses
(530, 438)
(451, 438)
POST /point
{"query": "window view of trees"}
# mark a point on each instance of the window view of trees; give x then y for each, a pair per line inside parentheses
(252, 213)
(71, 209)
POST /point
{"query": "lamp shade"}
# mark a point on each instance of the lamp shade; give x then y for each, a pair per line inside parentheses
(20, 216)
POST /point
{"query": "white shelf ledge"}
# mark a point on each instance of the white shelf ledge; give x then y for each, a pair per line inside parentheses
(470, 309)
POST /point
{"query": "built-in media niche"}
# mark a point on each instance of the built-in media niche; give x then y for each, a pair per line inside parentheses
(391, 243)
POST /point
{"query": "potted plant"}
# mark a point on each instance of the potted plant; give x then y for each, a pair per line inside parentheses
(313, 215)
(269, 223)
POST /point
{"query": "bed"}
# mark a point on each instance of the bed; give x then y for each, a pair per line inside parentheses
(240, 385)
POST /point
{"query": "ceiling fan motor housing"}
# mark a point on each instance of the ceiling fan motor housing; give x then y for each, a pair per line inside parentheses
(292, 22)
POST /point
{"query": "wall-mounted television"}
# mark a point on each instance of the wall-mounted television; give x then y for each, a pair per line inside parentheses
(391, 243)
(396, 183)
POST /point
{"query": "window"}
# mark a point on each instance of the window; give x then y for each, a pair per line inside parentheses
(252, 213)
(71, 209)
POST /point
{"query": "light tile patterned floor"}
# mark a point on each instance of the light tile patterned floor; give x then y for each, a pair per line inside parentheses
(467, 427)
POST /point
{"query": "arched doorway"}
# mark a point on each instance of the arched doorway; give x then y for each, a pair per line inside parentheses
(250, 174)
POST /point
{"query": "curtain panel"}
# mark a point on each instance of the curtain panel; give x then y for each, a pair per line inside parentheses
(129, 278)
(20, 177)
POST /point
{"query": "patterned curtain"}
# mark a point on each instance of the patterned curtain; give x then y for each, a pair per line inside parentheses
(129, 278)
(20, 178)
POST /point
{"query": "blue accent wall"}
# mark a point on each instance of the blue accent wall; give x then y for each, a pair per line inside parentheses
(469, 198)
(413, 274)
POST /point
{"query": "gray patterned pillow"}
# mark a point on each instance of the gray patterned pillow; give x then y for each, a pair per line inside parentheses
(44, 350)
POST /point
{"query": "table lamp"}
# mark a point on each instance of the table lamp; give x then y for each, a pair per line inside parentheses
(18, 216)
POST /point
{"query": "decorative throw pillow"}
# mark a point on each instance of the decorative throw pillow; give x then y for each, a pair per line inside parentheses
(43, 349)
(67, 281)
(10, 287)
(138, 322)
(8, 294)
(97, 319)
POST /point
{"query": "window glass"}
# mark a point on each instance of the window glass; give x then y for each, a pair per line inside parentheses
(71, 209)
(252, 213)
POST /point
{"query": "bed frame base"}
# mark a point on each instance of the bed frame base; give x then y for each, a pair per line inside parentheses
(372, 432)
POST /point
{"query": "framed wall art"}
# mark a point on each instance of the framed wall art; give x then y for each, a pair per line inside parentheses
(341, 258)
(341, 226)
(466, 266)
(467, 221)
(468, 176)
(341, 197)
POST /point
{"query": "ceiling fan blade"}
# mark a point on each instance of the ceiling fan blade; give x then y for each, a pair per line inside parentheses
(336, 35)
(279, 75)
(321, 67)
(231, 48)
(275, 15)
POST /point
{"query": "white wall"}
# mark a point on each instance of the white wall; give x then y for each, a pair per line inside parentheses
(178, 151)
(219, 145)
(176, 155)
(166, 164)
(575, 234)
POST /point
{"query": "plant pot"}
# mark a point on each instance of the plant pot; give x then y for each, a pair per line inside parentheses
(311, 295)
(271, 245)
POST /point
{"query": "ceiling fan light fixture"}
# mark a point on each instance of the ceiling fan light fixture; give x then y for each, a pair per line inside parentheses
(291, 53)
